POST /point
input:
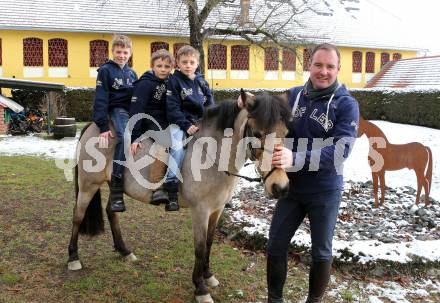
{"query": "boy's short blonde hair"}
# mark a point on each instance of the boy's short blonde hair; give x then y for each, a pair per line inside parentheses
(122, 41)
(188, 50)
(162, 54)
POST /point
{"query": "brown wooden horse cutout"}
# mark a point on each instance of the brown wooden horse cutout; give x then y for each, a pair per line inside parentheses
(383, 156)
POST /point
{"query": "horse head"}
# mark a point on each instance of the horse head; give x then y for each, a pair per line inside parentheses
(267, 121)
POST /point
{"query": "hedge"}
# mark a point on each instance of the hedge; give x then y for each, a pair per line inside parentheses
(416, 107)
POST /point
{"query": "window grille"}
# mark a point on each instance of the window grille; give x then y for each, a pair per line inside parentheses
(240, 57)
(98, 52)
(371, 58)
(271, 58)
(58, 52)
(32, 52)
(216, 56)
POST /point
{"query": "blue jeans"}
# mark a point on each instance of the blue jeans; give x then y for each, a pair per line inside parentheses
(176, 152)
(119, 118)
(322, 210)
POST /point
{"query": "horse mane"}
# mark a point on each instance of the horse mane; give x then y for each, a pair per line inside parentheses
(267, 111)
(226, 110)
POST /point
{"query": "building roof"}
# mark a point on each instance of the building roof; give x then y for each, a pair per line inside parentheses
(422, 72)
(343, 22)
(38, 85)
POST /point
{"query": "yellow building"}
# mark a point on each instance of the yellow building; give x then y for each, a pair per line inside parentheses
(65, 42)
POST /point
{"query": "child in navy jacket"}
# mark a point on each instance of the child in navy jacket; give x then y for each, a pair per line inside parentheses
(149, 97)
(188, 95)
(114, 87)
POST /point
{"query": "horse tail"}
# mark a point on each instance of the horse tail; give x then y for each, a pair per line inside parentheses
(93, 221)
(428, 175)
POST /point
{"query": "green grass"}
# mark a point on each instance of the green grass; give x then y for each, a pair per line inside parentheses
(36, 204)
(35, 226)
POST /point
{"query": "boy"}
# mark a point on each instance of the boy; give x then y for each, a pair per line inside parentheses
(188, 94)
(114, 87)
(149, 97)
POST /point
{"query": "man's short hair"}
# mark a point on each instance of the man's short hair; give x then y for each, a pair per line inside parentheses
(122, 41)
(326, 46)
(162, 54)
(188, 50)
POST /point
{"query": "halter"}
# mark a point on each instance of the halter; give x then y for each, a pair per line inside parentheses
(249, 133)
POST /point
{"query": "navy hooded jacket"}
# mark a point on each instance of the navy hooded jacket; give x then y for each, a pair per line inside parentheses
(114, 87)
(149, 97)
(332, 120)
(187, 99)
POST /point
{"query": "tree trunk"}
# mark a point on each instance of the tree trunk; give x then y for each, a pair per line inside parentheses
(195, 32)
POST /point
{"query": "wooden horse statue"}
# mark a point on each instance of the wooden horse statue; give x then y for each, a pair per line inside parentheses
(383, 156)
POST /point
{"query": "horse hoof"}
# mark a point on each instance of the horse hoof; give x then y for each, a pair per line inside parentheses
(212, 281)
(204, 299)
(131, 257)
(74, 265)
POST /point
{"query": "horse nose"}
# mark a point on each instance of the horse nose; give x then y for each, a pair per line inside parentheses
(278, 191)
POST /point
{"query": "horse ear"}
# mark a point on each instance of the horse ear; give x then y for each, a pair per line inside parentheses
(246, 100)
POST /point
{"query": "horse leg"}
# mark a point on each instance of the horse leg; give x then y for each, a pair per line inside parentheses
(82, 203)
(210, 279)
(382, 186)
(375, 189)
(113, 218)
(420, 178)
(200, 228)
(426, 189)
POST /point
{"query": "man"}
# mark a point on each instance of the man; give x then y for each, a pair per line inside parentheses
(326, 116)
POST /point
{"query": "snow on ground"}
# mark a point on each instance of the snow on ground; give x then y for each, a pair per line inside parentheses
(33, 145)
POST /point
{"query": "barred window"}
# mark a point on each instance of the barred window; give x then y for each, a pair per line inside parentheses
(307, 59)
(240, 57)
(32, 52)
(384, 59)
(0, 52)
(397, 56)
(369, 67)
(289, 60)
(155, 46)
(357, 62)
(216, 56)
(176, 48)
(98, 52)
(271, 58)
(58, 52)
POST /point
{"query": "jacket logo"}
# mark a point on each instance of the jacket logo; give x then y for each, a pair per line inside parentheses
(321, 119)
(185, 93)
(160, 89)
(98, 83)
(117, 83)
(134, 99)
(299, 112)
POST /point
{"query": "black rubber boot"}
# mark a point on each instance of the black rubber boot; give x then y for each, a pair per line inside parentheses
(159, 196)
(117, 194)
(318, 280)
(276, 277)
(173, 193)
